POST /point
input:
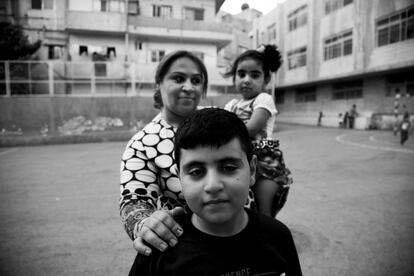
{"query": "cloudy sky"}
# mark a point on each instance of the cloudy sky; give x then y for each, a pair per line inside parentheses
(234, 6)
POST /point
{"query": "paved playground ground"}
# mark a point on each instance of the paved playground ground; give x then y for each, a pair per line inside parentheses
(351, 207)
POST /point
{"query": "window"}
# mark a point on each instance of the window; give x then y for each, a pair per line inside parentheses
(347, 90)
(307, 94)
(194, 14)
(401, 83)
(83, 50)
(138, 45)
(100, 69)
(296, 58)
(271, 32)
(110, 51)
(298, 18)
(104, 5)
(157, 55)
(42, 4)
(133, 7)
(162, 11)
(338, 45)
(3, 6)
(54, 51)
(395, 27)
(279, 96)
(333, 5)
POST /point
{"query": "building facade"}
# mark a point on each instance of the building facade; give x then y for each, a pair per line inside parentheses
(114, 46)
(338, 53)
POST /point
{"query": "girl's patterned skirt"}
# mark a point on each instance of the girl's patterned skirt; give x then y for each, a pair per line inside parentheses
(271, 165)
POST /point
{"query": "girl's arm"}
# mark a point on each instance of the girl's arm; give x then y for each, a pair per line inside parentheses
(258, 121)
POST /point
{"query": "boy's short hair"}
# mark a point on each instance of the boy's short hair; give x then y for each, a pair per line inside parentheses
(211, 127)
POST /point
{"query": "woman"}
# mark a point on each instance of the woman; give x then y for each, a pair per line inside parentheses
(150, 190)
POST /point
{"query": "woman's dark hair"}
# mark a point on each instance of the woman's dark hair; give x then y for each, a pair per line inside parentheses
(268, 55)
(165, 65)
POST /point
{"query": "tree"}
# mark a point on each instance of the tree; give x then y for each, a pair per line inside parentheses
(14, 44)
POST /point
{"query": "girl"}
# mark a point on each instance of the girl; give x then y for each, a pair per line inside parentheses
(251, 72)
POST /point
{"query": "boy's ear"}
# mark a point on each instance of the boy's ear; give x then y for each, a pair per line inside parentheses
(252, 165)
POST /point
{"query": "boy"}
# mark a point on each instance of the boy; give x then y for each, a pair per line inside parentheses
(216, 167)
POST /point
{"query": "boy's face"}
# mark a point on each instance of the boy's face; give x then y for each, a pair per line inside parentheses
(215, 183)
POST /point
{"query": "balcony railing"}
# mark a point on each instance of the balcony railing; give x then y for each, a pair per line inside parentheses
(56, 78)
(96, 21)
(171, 23)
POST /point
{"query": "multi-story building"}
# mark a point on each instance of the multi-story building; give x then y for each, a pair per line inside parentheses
(342, 52)
(98, 57)
(241, 24)
(113, 41)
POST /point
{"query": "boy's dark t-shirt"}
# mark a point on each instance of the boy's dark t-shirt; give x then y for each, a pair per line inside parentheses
(264, 247)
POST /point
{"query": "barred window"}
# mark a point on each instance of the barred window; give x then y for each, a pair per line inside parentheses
(347, 90)
(333, 5)
(133, 7)
(306, 94)
(162, 11)
(279, 96)
(401, 83)
(42, 4)
(338, 45)
(194, 14)
(395, 27)
(271, 32)
(157, 55)
(298, 18)
(296, 58)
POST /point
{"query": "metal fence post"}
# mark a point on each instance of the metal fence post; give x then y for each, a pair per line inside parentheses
(51, 79)
(132, 72)
(7, 78)
(93, 83)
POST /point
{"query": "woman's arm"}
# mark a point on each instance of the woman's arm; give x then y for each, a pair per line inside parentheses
(138, 200)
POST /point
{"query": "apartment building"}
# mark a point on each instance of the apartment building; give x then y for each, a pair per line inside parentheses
(241, 24)
(97, 45)
(342, 52)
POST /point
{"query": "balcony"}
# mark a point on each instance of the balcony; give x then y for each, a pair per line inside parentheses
(113, 22)
(186, 30)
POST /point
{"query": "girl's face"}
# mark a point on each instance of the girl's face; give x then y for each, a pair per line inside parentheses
(181, 89)
(249, 80)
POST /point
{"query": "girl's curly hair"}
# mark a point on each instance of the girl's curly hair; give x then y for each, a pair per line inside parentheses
(268, 55)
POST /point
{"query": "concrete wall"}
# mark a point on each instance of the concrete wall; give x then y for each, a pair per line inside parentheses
(32, 113)
(374, 102)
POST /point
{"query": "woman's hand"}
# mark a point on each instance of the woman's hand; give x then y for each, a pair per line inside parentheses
(159, 230)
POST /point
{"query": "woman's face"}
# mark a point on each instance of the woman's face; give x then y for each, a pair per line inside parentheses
(249, 80)
(181, 88)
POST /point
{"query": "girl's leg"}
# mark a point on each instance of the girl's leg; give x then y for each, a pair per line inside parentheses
(265, 191)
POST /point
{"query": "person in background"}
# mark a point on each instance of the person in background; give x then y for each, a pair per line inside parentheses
(345, 122)
(405, 128)
(320, 116)
(216, 167)
(251, 72)
(352, 115)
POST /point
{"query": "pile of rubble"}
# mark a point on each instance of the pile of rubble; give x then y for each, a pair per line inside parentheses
(80, 124)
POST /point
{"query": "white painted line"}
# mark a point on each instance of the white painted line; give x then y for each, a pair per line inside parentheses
(8, 151)
(374, 139)
(341, 139)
